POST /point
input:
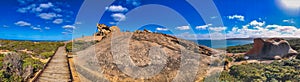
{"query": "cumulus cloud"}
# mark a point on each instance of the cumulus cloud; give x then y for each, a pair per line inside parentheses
(69, 27)
(183, 28)
(46, 5)
(58, 21)
(22, 23)
(118, 17)
(238, 17)
(203, 27)
(47, 16)
(217, 29)
(118, 8)
(161, 29)
(265, 31)
(35, 8)
(256, 23)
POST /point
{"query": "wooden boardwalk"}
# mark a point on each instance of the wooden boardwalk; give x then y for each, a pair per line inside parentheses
(57, 69)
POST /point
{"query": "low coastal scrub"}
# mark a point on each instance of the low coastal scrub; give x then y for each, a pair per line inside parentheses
(33, 48)
(281, 71)
(239, 48)
(19, 60)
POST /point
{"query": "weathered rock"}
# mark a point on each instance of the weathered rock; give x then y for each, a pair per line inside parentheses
(274, 48)
(138, 46)
(104, 30)
(114, 29)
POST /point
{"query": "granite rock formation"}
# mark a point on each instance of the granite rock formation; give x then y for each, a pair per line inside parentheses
(105, 30)
(273, 48)
(138, 46)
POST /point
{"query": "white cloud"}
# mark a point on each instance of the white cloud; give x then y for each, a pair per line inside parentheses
(58, 21)
(183, 28)
(57, 9)
(59, 15)
(69, 27)
(46, 5)
(161, 29)
(217, 29)
(47, 16)
(118, 8)
(22, 23)
(280, 28)
(35, 8)
(27, 9)
(119, 17)
(238, 17)
(289, 21)
(267, 31)
(203, 27)
(256, 23)
(47, 28)
(36, 28)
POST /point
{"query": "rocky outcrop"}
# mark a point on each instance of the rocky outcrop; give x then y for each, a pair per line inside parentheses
(179, 57)
(105, 30)
(273, 48)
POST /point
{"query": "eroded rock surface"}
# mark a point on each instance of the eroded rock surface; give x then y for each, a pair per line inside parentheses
(180, 60)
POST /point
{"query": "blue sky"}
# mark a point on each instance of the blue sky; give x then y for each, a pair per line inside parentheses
(55, 19)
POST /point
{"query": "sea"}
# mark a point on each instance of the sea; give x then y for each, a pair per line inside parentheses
(222, 43)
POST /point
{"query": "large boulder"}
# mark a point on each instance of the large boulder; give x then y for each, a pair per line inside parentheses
(177, 58)
(273, 48)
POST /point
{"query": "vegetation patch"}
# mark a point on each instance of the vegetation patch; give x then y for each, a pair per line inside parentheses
(283, 71)
(19, 65)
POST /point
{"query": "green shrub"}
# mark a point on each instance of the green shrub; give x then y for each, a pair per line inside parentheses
(46, 55)
(36, 64)
(285, 70)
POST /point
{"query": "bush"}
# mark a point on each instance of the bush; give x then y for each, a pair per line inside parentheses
(286, 70)
(239, 48)
(46, 55)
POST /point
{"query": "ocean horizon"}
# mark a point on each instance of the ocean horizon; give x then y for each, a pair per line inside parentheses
(220, 43)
